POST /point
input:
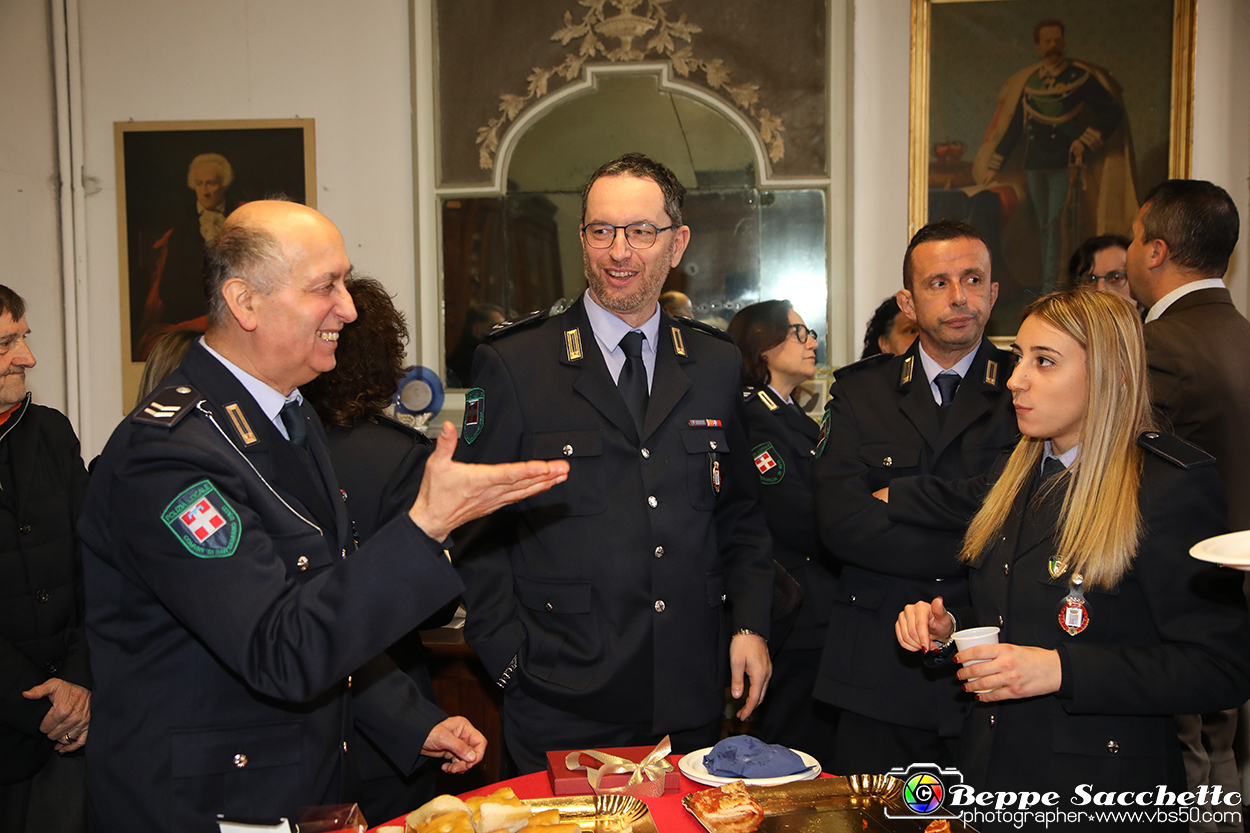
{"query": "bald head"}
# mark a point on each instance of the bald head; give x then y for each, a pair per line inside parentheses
(276, 297)
(256, 244)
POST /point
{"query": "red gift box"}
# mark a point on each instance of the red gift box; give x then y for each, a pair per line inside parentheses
(564, 782)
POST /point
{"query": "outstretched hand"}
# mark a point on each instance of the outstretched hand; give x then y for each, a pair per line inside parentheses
(922, 624)
(455, 493)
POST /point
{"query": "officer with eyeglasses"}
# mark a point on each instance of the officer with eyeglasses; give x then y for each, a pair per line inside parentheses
(614, 610)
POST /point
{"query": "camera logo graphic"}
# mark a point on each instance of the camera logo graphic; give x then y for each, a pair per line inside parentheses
(925, 788)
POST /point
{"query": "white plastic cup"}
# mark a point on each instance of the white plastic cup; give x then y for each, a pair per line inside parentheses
(968, 637)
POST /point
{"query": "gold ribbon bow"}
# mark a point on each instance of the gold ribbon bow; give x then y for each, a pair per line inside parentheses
(646, 777)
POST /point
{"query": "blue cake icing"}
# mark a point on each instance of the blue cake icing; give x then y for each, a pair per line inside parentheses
(743, 756)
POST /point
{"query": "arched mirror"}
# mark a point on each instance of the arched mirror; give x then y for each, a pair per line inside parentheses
(520, 251)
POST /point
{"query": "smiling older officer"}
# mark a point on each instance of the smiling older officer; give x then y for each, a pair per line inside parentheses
(226, 611)
(613, 608)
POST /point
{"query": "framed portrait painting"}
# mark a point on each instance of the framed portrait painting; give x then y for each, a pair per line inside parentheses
(1043, 123)
(176, 184)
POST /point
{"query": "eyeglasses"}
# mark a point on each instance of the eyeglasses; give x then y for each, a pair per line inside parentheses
(639, 235)
(803, 334)
(1114, 278)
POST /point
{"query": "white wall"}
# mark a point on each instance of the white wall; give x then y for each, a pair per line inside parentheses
(29, 238)
(344, 64)
(1221, 135)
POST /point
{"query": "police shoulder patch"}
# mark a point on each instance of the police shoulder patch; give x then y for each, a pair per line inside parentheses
(204, 522)
(770, 464)
(474, 414)
(167, 406)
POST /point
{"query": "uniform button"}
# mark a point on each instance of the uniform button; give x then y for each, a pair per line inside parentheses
(1006, 569)
(724, 597)
(939, 579)
(42, 596)
(807, 558)
(1113, 747)
(24, 529)
(567, 450)
(659, 552)
(812, 452)
(659, 606)
(852, 597)
(302, 562)
(550, 607)
(344, 747)
(1000, 620)
(652, 502)
(991, 721)
(646, 455)
(888, 461)
(349, 680)
(240, 760)
(343, 554)
(711, 444)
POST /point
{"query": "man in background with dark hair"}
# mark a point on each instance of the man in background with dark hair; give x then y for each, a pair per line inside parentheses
(1198, 350)
(940, 408)
(45, 678)
(614, 609)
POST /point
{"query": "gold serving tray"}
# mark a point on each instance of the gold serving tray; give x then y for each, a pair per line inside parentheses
(599, 813)
(854, 804)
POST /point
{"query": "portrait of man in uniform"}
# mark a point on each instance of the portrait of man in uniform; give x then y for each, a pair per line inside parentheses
(1046, 121)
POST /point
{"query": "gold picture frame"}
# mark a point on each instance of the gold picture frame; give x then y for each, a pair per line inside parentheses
(159, 212)
(962, 51)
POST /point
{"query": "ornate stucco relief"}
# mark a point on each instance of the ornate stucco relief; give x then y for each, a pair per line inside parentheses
(625, 28)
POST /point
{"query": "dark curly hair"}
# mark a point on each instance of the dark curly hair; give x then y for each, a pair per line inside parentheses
(880, 324)
(755, 329)
(369, 359)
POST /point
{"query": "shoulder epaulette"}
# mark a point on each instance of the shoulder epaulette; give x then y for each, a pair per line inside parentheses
(706, 328)
(863, 364)
(1180, 453)
(398, 425)
(168, 406)
(515, 323)
(747, 393)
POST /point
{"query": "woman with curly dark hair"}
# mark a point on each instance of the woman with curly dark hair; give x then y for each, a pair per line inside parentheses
(889, 330)
(778, 354)
(379, 463)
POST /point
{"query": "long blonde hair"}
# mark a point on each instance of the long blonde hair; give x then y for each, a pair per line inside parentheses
(1099, 522)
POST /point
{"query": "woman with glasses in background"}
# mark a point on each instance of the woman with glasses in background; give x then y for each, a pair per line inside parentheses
(778, 355)
(1101, 263)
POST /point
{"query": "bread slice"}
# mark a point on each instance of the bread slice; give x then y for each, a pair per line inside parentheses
(501, 810)
(439, 806)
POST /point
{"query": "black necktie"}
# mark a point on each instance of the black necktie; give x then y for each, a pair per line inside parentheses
(1050, 467)
(296, 430)
(632, 382)
(947, 383)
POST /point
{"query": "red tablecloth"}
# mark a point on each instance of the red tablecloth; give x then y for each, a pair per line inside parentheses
(667, 810)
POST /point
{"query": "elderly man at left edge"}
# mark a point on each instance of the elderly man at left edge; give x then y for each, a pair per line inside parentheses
(45, 679)
(236, 634)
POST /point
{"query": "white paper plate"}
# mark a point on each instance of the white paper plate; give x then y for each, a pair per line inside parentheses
(1232, 550)
(692, 767)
